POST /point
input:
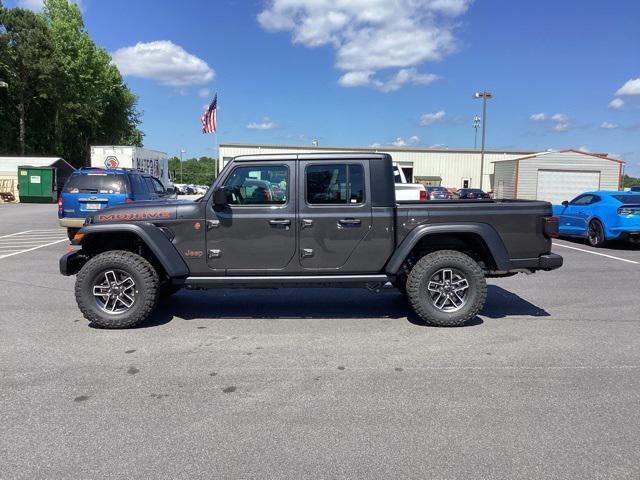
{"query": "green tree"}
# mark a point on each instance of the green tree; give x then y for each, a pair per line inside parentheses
(95, 106)
(28, 64)
(197, 171)
(628, 181)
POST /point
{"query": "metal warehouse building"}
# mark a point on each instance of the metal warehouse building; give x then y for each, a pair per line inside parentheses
(555, 176)
(508, 173)
(450, 168)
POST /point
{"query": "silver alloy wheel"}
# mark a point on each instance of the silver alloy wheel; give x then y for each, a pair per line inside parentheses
(448, 289)
(115, 292)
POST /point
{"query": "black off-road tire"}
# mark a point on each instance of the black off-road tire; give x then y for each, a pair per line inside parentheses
(147, 285)
(420, 299)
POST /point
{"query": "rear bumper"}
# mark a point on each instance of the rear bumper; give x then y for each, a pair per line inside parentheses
(71, 263)
(548, 261)
(630, 235)
(71, 222)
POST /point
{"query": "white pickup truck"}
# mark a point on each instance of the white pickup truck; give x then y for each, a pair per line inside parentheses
(407, 191)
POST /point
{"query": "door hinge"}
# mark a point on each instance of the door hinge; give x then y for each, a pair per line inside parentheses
(306, 252)
(214, 253)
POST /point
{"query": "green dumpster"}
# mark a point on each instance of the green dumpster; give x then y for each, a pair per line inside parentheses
(37, 184)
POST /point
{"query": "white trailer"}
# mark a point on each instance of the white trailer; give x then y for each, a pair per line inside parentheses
(152, 162)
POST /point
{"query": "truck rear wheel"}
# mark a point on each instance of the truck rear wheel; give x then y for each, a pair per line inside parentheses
(117, 289)
(446, 288)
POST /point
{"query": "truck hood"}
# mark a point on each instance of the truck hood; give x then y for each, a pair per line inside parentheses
(143, 211)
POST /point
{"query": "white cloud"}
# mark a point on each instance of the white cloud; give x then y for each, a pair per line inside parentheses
(560, 118)
(561, 122)
(405, 142)
(608, 125)
(402, 77)
(431, 118)
(266, 124)
(538, 117)
(616, 103)
(163, 61)
(371, 35)
(631, 87)
(204, 92)
(37, 5)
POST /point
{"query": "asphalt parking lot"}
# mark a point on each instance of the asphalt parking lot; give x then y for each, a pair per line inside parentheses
(319, 383)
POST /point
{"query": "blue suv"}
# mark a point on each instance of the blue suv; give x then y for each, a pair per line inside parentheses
(92, 189)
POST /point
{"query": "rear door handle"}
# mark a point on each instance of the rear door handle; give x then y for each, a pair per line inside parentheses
(349, 222)
(280, 222)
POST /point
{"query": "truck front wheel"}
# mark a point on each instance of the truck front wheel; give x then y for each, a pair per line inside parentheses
(117, 289)
(446, 288)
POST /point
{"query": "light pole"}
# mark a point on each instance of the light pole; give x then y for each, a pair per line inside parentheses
(484, 96)
(182, 152)
(475, 125)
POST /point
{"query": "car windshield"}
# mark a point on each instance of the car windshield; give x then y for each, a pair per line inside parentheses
(474, 190)
(96, 183)
(436, 189)
(629, 198)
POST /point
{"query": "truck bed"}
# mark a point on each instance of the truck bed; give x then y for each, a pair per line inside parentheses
(519, 223)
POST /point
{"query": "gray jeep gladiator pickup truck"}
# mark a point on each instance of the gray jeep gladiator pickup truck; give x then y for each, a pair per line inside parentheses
(308, 220)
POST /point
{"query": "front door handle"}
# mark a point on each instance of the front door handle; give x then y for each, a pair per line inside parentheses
(349, 222)
(280, 222)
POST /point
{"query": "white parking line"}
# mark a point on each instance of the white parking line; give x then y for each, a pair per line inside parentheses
(33, 248)
(595, 253)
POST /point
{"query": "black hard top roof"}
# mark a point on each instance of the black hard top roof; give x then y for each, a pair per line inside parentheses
(312, 156)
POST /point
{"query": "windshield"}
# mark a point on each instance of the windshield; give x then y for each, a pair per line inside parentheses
(437, 189)
(96, 183)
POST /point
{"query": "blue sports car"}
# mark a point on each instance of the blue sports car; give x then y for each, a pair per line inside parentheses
(600, 216)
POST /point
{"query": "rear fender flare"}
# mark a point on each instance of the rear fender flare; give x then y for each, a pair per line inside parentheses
(486, 232)
(152, 237)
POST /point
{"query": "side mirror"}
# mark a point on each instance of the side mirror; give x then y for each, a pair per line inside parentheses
(220, 197)
(170, 191)
(565, 203)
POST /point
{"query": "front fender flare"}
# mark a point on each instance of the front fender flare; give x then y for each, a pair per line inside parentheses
(152, 237)
(486, 232)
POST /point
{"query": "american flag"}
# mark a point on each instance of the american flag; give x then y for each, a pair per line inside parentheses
(209, 119)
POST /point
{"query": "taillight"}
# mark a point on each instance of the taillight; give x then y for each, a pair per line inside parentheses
(551, 227)
(628, 210)
(423, 196)
(128, 200)
(60, 206)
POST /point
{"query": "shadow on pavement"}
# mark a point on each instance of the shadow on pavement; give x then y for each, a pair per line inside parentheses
(502, 303)
(319, 304)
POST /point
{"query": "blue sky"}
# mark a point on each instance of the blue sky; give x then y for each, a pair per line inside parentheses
(363, 72)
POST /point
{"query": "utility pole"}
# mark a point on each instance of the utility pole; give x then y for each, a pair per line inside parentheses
(475, 125)
(484, 96)
(182, 152)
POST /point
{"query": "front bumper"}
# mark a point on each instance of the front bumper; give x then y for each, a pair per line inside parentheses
(71, 263)
(71, 222)
(548, 261)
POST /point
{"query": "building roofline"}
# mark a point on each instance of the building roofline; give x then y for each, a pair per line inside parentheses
(380, 149)
(604, 156)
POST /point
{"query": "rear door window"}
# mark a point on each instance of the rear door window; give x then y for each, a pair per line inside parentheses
(335, 184)
(97, 183)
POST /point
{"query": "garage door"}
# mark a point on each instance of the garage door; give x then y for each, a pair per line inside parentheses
(555, 186)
